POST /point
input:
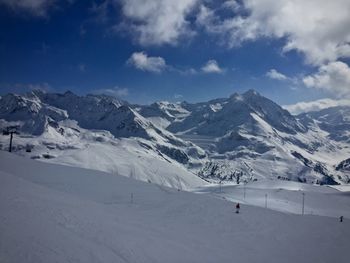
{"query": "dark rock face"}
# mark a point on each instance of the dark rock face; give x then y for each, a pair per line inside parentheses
(343, 165)
(175, 154)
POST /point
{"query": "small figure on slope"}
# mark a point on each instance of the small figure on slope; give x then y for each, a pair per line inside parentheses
(237, 208)
(341, 219)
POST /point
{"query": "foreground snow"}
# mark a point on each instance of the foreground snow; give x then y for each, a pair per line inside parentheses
(52, 213)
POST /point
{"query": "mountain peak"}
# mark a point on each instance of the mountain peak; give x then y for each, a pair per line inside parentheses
(69, 93)
(250, 93)
(235, 96)
(37, 92)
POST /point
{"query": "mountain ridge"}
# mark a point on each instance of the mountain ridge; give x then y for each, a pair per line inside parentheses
(245, 135)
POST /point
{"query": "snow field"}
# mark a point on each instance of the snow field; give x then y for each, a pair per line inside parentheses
(54, 213)
(286, 196)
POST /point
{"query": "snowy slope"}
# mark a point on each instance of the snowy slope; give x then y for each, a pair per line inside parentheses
(286, 196)
(164, 109)
(100, 150)
(334, 120)
(52, 213)
(163, 113)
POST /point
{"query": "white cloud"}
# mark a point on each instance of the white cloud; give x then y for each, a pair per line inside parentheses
(115, 92)
(274, 74)
(333, 77)
(157, 22)
(316, 105)
(38, 8)
(212, 67)
(142, 61)
(317, 28)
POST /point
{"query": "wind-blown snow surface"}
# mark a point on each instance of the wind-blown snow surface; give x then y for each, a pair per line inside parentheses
(53, 213)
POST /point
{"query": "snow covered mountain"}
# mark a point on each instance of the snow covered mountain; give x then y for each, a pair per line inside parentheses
(218, 117)
(98, 132)
(245, 137)
(334, 120)
(163, 113)
(33, 115)
(249, 137)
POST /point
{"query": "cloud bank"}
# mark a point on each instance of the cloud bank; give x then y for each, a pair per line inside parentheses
(334, 77)
(157, 22)
(317, 28)
(317, 105)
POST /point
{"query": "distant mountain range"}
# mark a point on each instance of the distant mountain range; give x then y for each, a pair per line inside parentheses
(242, 138)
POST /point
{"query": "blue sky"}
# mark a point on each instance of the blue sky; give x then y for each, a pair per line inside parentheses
(193, 50)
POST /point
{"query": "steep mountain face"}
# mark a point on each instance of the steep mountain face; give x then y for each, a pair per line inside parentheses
(245, 137)
(163, 113)
(106, 113)
(219, 117)
(335, 120)
(30, 113)
(164, 109)
(344, 168)
(97, 112)
(64, 120)
(248, 136)
(91, 112)
(247, 124)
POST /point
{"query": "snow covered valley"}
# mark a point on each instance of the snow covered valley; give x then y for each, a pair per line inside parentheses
(54, 213)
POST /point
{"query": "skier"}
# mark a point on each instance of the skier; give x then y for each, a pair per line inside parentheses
(237, 208)
(341, 219)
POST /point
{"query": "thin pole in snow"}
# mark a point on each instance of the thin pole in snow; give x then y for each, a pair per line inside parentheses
(11, 136)
(302, 210)
(265, 200)
(132, 198)
(244, 191)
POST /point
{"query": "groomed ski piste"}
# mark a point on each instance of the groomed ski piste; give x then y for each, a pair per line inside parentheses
(55, 213)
